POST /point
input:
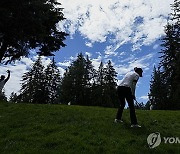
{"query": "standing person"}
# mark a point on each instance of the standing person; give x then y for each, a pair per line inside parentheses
(126, 90)
(3, 80)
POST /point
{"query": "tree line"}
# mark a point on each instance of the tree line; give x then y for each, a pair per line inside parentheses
(39, 84)
(165, 81)
(36, 28)
(81, 84)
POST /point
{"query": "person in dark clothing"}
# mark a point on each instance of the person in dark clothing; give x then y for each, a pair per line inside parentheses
(3, 80)
(126, 92)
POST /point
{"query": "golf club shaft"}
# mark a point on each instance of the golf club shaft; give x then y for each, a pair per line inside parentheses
(136, 102)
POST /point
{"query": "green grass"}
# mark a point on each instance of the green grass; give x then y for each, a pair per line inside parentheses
(26, 128)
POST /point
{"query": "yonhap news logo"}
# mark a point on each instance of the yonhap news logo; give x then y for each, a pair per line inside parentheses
(154, 140)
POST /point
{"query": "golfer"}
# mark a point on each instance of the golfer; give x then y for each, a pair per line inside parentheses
(3, 80)
(126, 90)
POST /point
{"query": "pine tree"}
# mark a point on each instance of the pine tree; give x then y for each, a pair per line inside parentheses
(101, 75)
(78, 73)
(110, 85)
(90, 75)
(3, 96)
(52, 81)
(170, 59)
(13, 97)
(168, 56)
(98, 87)
(176, 11)
(147, 105)
(90, 72)
(74, 82)
(67, 87)
(32, 87)
(158, 91)
(175, 81)
(83, 85)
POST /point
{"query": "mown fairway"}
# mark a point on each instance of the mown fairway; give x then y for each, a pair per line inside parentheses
(26, 128)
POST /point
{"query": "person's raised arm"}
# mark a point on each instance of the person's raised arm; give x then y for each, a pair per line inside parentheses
(8, 71)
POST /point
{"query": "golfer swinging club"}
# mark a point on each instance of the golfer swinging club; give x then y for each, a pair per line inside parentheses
(126, 90)
(3, 80)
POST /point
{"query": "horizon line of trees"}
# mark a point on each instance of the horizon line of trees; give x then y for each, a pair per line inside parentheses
(39, 84)
(81, 84)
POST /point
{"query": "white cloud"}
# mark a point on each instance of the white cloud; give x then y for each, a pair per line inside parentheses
(144, 98)
(66, 63)
(88, 54)
(135, 21)
(155, 46)
(61, 70)
(129, 63)
(148, 32)
(96, 61)
(89, 44)
(130, 58)
(110, 50)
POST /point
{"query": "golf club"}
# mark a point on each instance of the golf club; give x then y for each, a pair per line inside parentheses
(153, 121)
(137, 103)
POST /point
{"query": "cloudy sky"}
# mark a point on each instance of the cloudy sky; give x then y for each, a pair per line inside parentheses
(127, 32)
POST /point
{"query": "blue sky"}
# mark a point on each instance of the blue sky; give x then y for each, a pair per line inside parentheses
(127, 32)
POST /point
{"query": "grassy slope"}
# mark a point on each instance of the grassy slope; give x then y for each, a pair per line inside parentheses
(26, 128)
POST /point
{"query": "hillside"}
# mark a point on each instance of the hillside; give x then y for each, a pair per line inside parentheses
(26, 128)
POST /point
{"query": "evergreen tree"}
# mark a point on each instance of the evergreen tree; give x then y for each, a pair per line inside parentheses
(176, 11)
(29, 24)
(147, 105)
(13, 97)
(3, 96)
(32, 87)
(175, 81)
(52, 81)
(101, 75)
(158, 91)
(79, 84)
(98, 87)
(90, 72)
(67, 87)
(74, 82)
(83, 85)
(90, 75)
(110, 85)
(170, 59)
